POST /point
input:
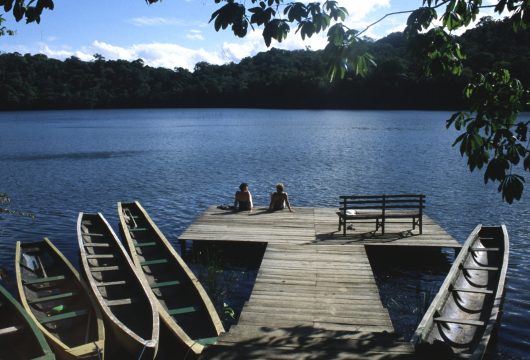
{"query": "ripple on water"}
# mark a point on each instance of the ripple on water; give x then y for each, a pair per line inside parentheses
(178, 162)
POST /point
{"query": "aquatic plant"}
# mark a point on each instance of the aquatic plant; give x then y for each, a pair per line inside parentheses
(6, 200)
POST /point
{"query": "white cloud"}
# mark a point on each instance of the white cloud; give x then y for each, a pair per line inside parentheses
(195, 35)
(112, 51)
(253, 43)
(63, 53)
(359, 9)
(154, 54)
(145, 21)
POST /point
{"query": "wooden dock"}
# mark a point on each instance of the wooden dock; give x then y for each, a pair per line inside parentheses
(315, 295)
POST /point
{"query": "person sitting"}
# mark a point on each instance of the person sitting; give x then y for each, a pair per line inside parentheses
(243, 199)
(279, 199)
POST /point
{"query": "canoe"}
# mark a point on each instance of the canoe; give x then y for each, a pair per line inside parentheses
(126, 300)
(20, 338)
(58, 301)
(461, 318)
(183, 304)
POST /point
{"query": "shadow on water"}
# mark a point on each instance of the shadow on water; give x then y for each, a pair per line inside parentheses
(228, 271)
(408, 280)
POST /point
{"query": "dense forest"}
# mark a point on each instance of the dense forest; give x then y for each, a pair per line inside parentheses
(277, 78)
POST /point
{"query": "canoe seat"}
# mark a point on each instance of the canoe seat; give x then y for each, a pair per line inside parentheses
(111, 283)
(119, 302)
(9, 330)
(165, 284)
(154, 262)
(460, 321)
(485, 249)
(144, 244)
(65, 316)
(92, 234)
(104, 268)
(206, 341)
(43, 280)
(475, 291)
(32, 250)
(100, 256)
(51, 298)
(93, 244)
(182, 310)
(137, 229)
(483, 268)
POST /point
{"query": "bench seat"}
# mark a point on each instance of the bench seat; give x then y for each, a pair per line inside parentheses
(381, 208)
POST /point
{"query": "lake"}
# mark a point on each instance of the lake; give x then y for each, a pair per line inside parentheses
(178, 162)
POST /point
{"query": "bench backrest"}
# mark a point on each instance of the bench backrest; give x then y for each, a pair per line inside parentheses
(384, 202)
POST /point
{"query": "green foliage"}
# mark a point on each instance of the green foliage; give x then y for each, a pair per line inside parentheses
(438, 52)
(29, 10)
(345, 53)
(277, 78)
(492, 134)
(233, 14)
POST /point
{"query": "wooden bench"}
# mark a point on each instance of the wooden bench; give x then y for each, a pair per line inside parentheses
(380, 208)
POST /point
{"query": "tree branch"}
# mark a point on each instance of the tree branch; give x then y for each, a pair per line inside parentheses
(408, 12)
(383, 18)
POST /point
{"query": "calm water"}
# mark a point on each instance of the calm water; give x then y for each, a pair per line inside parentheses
(178, 162)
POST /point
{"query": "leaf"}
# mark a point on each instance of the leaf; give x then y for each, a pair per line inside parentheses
(296, 12)
(496, 170)
(459, 139)
(275, 29)
(8, 4)
(336, 35)
(499, 8)
(526, 163)
(231, 14)
(420, 19)
(511, 188)
(18, 10)
(451, 120)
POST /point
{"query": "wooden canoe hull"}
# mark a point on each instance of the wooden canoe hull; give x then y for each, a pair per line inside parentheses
(20, 338)
(58, 301)
(462, 316)
(183, 304)
(125, 299)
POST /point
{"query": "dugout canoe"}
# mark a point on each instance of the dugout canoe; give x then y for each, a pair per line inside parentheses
(125, 298)
(58, 301)
(20, 338)
(461, 318)
(183, 304)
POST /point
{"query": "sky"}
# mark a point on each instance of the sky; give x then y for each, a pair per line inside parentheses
(170, 33)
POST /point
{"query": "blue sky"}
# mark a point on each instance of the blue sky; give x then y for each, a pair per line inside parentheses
(170, 33)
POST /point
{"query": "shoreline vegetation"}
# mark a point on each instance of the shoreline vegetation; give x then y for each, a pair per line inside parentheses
(273, 79)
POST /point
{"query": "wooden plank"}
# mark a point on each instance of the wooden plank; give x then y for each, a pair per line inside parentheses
(119, 302)
(311, 277)
(460, 321)
(51, 298)
(104, 268)
(64, 316)
(111, 283)
(165, 284)
(9, 330)
(100, 256)
(43, 280)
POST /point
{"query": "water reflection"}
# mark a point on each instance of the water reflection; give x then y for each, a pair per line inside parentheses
(179, 162)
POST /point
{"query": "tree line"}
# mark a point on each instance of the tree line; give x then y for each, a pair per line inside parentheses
(275, 79)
